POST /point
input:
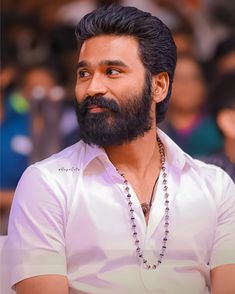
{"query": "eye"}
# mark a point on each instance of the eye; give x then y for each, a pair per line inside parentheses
(83, 74)
(112, 71)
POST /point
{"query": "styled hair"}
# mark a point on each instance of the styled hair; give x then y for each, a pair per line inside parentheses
(156, 46)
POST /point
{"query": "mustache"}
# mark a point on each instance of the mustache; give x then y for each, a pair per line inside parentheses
(99, 101)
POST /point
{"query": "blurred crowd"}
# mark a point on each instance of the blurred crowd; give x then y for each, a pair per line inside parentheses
(38, 74)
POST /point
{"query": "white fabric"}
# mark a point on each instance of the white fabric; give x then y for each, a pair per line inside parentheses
(4, 268)
(70, 217)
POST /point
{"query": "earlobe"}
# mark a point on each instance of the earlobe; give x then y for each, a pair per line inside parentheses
(160, 86)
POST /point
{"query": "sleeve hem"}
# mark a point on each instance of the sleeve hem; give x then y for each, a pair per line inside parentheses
(20, 274)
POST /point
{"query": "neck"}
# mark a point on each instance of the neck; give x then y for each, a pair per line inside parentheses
(138, 157)
(229, 147)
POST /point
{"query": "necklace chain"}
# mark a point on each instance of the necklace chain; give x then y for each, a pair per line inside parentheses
(139, 251)
(147, 206)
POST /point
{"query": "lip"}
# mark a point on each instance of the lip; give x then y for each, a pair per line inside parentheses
(95, 109)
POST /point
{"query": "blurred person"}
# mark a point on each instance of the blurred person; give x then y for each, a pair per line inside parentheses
(64, 49)
(187, 122)
(31, 42)
(184, 40)
(124, 210)
(14, 135)
(222, 104)
(54, 125)
(40, 87)
(224, 57)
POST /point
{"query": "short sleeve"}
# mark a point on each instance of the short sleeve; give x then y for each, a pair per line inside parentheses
(35, 242)
(223, 250)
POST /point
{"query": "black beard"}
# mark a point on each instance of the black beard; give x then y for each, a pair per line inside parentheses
(118, 124)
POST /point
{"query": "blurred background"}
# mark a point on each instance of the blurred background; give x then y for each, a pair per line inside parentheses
(38, 73)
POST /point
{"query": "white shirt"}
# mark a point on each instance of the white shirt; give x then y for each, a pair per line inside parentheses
(70, 217)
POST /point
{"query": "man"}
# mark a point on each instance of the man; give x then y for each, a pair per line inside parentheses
(125, 210)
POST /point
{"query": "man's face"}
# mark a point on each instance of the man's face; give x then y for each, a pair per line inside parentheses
(113, 91)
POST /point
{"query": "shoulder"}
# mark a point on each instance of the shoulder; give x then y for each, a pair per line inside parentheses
(211, 179)
(56, 172)
(221, 160)
(192, 167)
(69, 159)
(196, 175)
(71, 155)
(205, 169)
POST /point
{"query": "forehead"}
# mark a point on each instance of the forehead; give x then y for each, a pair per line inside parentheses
(111, 47)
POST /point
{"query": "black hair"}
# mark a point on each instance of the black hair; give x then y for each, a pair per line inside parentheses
(222, 94)
(156, 45)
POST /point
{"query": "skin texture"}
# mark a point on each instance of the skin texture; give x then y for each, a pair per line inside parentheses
(47, 284)
(96, 76)
(222, 279)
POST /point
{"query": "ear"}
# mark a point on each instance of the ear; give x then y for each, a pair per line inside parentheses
(160, 86)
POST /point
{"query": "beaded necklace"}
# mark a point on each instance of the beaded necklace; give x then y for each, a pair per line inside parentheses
(139, 251)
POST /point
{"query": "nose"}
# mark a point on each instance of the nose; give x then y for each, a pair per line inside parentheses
(96, 86)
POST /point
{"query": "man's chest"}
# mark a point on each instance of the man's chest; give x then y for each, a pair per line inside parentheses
(100, 221)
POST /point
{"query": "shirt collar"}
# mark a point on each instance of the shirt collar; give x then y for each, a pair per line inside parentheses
(92, 152)
(174, 154)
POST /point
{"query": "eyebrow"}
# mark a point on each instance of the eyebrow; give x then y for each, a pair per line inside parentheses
(107, 62)
(83, 63)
